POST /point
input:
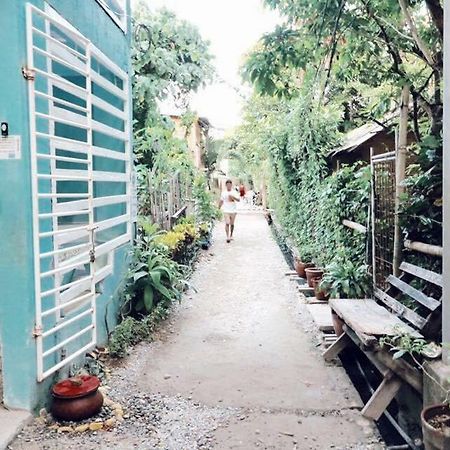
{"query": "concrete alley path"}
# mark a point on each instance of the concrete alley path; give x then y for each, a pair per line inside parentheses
(236, 367)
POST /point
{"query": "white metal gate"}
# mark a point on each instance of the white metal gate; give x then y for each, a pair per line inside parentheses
(80, 173)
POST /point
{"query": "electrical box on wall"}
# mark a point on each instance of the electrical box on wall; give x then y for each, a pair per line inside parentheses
(10, 147)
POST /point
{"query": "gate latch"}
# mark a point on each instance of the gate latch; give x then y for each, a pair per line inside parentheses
(37, 331)
(92, 251)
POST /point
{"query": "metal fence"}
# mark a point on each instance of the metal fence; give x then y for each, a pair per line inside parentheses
(383, 216)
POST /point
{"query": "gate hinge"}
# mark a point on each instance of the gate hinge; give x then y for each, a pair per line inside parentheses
(28, 73)
(37, 331)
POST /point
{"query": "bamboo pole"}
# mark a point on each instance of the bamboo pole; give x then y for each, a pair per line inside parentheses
(400, 168)
(422, 247)
(354, 226)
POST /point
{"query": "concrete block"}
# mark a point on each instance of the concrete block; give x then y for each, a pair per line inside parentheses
(436, 382)
(11, 423)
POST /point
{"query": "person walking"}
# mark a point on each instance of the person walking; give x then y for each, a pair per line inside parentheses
(242, 191)
(228, 202)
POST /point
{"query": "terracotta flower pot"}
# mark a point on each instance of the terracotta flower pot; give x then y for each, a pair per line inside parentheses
(313, 272)
(320, 294)
(76, 398)
(338, 324)
(435, 419)
(300, 267)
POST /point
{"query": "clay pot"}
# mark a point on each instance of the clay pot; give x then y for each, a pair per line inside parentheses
(76, 398)
(300, 267)
(320, 294)
(338, 324)
(313, 272)
(433, 438)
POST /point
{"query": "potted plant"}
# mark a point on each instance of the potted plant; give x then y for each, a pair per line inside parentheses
(345, 279)
(302, 261)
(436, 426)
(313, 273)
(204, 230)
(320, 293)
(435, 419)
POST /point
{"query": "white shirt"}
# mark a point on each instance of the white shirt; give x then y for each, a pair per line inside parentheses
(228, 206)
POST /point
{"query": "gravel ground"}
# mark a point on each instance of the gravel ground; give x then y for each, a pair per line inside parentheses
(237, 366)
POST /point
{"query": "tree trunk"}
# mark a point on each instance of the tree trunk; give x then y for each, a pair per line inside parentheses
(412, 26)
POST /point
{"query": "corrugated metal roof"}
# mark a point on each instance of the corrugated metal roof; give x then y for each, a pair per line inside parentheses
(353, 139)
(358, 136)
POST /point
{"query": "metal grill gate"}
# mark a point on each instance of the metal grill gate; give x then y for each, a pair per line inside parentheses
(80, 173)
(383, 216)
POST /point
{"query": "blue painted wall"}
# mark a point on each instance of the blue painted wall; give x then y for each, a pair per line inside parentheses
(16, 245)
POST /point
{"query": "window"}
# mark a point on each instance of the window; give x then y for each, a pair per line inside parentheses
(117, 9)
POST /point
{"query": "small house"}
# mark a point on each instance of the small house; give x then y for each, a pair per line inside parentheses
(65, 185)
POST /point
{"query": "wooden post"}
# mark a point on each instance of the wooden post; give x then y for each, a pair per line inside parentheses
(400, 168)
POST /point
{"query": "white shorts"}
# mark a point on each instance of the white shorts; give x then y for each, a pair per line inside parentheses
(229, 217)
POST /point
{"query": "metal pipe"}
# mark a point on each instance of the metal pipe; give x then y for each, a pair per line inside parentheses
(68, 303)
(68, 340)
(67, 360)
(60, 61)
(66, 323)
(65, 286)
(61, 44)
(60, 101)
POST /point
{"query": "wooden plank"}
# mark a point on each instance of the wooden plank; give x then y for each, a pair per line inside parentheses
(367, 317)
(361, 340)
(420, 272)
(381, 398)
(400, 310)
(383, 361)
(402, 369)
(179, 213)
(314, 301)
(321, 313)
(383, 369)
(304, 288)
(420, 297)
(333, 351)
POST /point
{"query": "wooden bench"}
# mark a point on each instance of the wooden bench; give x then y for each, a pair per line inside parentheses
(411, 304)
(178, 215)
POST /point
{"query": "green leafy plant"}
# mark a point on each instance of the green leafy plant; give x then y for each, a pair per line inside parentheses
(131, 331)
(206, 210)
(345, 279)
(403, 343)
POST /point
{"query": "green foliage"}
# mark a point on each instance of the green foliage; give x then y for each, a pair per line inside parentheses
(293, 140)
(345, 279)
(169, 58)
(206, 210)
(153, 278)
(131, 331)
(403, 343)
(335, 66)
(421, 212)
